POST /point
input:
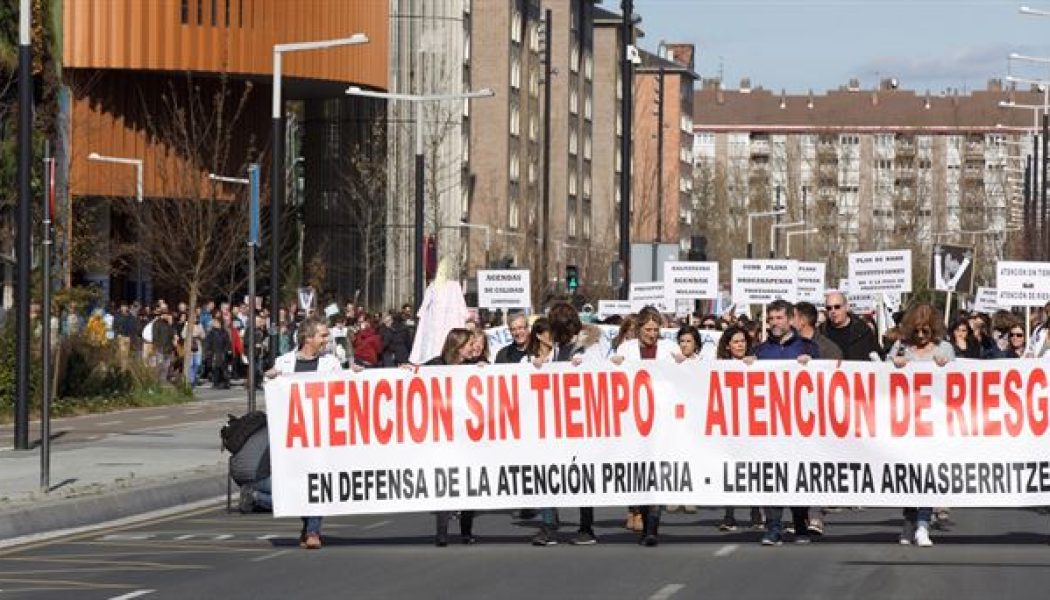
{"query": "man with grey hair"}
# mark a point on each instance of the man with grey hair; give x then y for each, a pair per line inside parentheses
(852, 336)
(519, 334)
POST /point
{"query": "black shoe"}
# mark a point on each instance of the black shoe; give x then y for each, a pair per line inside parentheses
(470, 540)
(441, 540)
(545, 538)
(246, 502)
(584, 538)
(649, 541)
(526, 514)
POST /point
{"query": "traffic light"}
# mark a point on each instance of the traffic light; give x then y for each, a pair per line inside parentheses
(572, 278)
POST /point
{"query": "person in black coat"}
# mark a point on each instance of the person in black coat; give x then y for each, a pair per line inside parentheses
(397, 340)
(217, 349)
(849, 332)
(456, 351)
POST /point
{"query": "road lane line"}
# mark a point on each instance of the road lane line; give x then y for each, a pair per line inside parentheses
(376, 525)
(130, 595)
(667, 591)
(108, 423)
(156, 418)
(727, 550)
(269, 556)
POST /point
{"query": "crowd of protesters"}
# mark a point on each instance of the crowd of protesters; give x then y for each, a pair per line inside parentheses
(799, 332)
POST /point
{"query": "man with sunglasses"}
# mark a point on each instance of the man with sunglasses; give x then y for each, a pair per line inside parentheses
(855, 339)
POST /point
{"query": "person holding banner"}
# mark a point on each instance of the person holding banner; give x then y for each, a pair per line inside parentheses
(856, 340)
(922, 340)
(540, 348)
(735, 344)
(648, 346)
(964, 342)
(1017, 345)
(310, 358)
(457, 350)
(1039, 345)
(783, 342)
(516, 350)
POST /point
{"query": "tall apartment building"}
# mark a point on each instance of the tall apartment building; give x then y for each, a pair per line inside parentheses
(871, 169)
(430, 54)
(662, 179)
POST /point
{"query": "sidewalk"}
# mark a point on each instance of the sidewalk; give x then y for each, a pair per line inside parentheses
(114, 465)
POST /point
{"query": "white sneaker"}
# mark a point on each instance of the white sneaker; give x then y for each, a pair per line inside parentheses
(907, 533)
(922, 536)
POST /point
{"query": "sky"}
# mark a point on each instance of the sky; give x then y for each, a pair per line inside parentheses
(801, 45)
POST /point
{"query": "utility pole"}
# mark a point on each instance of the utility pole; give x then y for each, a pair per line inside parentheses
(626, 108)
(659, 169)
(546, 40)
(22, 250)
(1044, 233)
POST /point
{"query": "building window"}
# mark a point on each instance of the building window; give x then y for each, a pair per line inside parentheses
(515, 73)
(514, 216)
(587, 146)
(572, 182)
(515, 27)
(534, 82)
(515, 120)
(588, 66)
(466, 48)
(515, 166)
(572, 219)
(586, 222)
(466, 147)
(532, 172)
(574, 102)
(200, 12)
(534, 127)
(184, 12)
(587, 185)
(240, 13)
(574, 58)
(534, 37)
(588, 107)
(574, 142)
(214, 12)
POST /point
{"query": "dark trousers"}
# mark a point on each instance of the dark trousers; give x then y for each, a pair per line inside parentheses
(466, 522)
(799, 514)
(219, 377)
(549, 516)
(650, 519)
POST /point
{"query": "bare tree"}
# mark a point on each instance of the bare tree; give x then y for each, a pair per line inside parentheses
(363, 179)
(191, 237)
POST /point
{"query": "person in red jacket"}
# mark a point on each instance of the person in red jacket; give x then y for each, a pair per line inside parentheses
(368, 345)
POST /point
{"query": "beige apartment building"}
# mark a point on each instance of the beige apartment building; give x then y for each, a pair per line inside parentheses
(662, 181)
(869, 169)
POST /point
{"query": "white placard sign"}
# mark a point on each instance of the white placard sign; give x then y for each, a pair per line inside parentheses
(1022, 283)
(811, 282)
(649, 294)
(888, 271)
(987, 300)
(504, 289)
(762, 281)
(609, 308)
(306, 298)
(691, 280)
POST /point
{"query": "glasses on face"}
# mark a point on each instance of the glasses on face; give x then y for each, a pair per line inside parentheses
(832, 306)
(1017, 334)
(926, 331)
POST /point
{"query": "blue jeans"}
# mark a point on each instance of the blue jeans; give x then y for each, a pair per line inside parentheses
(312, 525)
(195, 367)
(263, 495)
(918, 515)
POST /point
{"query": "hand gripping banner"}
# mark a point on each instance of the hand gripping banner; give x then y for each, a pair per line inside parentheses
(717, 433)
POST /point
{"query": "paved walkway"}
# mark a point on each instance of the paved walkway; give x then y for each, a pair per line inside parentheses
(112, 465)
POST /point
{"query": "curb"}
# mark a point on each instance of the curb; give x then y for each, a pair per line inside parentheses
(78, 511)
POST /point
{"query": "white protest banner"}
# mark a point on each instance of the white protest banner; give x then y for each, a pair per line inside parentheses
(1022, 283)
(331, 310)
(609, 308)
(887, 271)
(649, 294)
(763, 281)
(504, 289)
(712, 433)
(811, 282)
(987, 300)
(686, 280)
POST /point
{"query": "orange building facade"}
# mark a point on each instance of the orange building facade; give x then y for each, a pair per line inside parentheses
(124, 61)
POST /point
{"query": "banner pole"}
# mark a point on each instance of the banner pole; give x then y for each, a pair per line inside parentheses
(880, 318)
(947, 307)
(763, 333)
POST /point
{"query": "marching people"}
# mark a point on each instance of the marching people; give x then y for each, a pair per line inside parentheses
(849, 332)
(735, 344)
(457, 350)
(309, 358)
(963, 341)
(516, 350)
(397, 340)
(1016, 344)
(922, 340)
(783, 342)
(1039, 345)
(217, 351)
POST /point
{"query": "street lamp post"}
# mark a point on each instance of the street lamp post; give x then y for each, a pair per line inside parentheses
(252, 181)
(22, 260)
(790, 234)
(277, 166)
(137, 163)
(418, 101)
(750, 216)
(774, 228)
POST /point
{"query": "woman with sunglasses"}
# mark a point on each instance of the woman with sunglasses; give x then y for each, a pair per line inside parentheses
(1016, 343)
(922, 340)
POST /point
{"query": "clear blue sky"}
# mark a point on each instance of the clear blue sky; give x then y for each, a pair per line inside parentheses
(820, 44)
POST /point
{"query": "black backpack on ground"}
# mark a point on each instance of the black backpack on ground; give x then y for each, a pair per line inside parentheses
(235, 433)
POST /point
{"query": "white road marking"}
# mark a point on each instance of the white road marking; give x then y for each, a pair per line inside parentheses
(667, 591)
(125, 536)
(268, 536)
(269, 556)
(204, 536)
(727, 550)
(376, 525)
(156, 418)
(108, 423)
(130, 595)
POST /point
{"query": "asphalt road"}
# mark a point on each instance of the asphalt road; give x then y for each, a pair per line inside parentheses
(209, 406)
(211, 554)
